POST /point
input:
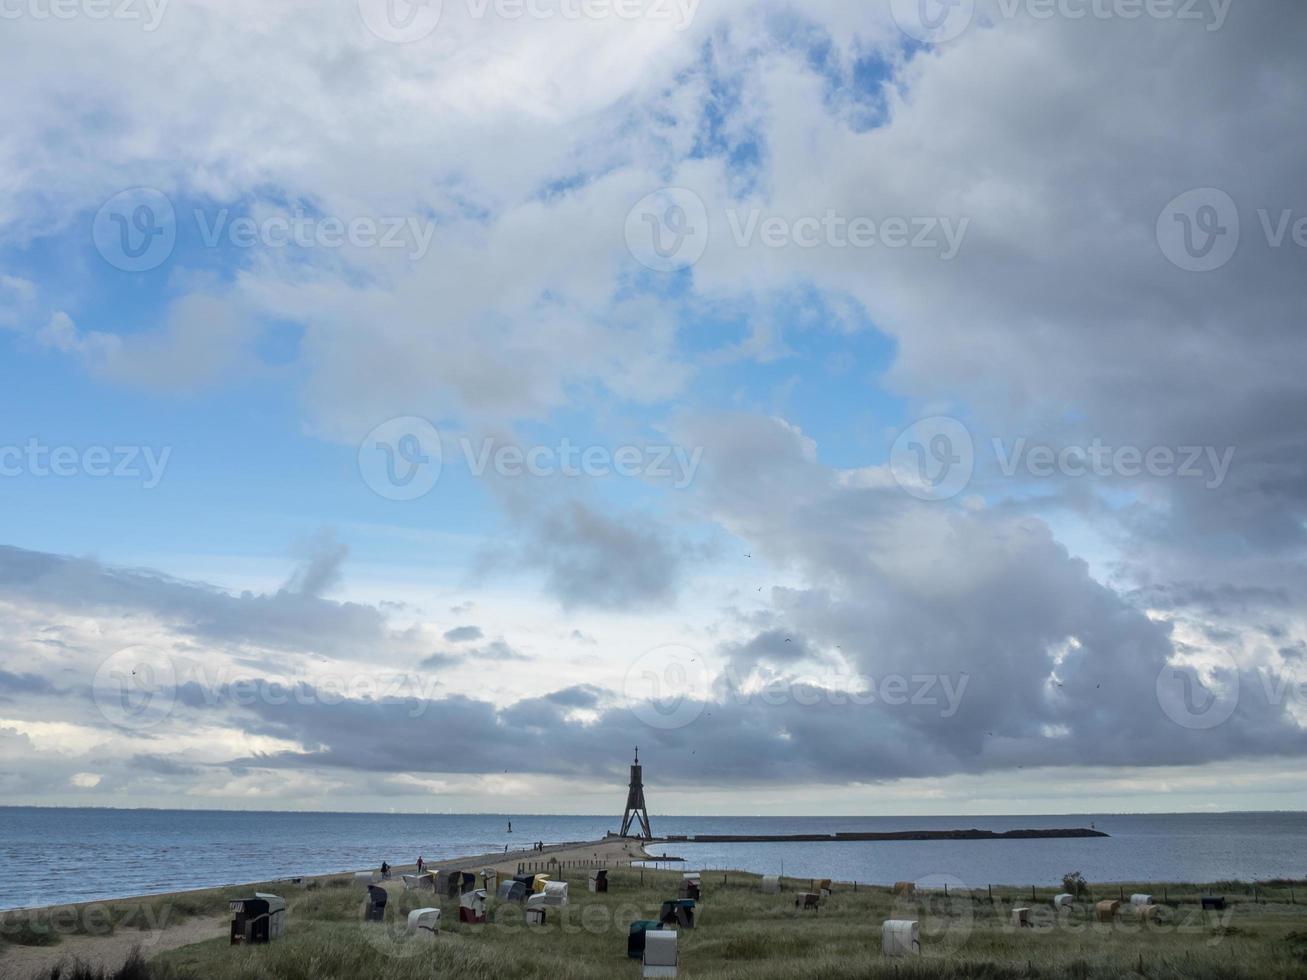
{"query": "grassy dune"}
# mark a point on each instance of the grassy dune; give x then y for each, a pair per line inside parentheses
(748, 935)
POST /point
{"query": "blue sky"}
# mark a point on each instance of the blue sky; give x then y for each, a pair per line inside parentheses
(943, 391)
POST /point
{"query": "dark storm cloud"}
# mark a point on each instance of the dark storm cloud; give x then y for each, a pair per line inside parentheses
(590, 559)
(161, 766)
(463, 634)
(25, 683)
(496, 651)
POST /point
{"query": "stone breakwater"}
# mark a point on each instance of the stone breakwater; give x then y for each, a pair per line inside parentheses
(891, 835)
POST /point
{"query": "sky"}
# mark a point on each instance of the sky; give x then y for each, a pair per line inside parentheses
(884, 408)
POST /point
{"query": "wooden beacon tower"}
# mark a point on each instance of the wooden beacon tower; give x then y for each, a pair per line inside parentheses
(636, 811)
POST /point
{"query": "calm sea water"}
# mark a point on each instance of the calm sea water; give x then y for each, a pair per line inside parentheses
(62, 855)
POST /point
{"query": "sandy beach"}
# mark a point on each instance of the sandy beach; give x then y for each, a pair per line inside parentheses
(19, 962)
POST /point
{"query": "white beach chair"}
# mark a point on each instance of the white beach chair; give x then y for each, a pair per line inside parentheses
(660, 958)
(424, 922)
(900, 937)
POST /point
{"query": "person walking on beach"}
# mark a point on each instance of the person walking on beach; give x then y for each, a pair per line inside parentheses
(419, 864)
(385, 870)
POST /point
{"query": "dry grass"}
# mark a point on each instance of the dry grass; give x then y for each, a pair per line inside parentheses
(744, 934)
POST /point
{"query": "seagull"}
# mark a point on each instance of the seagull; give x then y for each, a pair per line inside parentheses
(748, 555)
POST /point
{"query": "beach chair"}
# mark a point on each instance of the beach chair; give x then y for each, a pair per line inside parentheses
(276, 913)
(1213, 903)
(660, 959)
(472, 907)
(771, 884)
(1105, 911)
(490, 880)
(900, 937)
(807, 901)
(374, 908)
(511, 891)
(822, 886)
(690, 885)
(636, 936)
(418, 882)
(598, 881)
(904, 888)
(538, 883)
(1148, 913)
(252, 919)
(535, 910)
(1063, 901)
(679, 912)
(453, 884)
(424, 922)
(555, 894)
(1021, 918)
(1139, 898)
(366, 877)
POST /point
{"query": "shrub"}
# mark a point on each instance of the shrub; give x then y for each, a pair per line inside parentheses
(1074, 883)
(134, 968)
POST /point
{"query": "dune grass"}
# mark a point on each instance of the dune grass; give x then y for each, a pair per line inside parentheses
(744, 934)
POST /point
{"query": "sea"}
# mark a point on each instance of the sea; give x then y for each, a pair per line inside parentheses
(58, 855)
